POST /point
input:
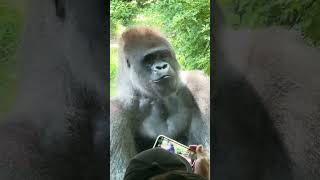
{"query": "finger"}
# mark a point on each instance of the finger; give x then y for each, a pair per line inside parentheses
(202, 167)
(193, 147)
(199, 149)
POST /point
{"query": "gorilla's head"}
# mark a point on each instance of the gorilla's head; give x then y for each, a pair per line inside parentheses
(148, 61)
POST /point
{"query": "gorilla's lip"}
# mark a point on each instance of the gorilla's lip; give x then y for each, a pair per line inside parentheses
(161, 78)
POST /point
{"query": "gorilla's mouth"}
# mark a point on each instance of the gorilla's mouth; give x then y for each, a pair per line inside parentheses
(161, 78)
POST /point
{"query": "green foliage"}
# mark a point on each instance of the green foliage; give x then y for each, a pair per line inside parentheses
(303, 16)
(10, 27)
(122, 12)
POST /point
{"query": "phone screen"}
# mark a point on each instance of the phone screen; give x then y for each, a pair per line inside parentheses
(176, 147)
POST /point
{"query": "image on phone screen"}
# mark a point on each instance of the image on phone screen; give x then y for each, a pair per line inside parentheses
(175, 147)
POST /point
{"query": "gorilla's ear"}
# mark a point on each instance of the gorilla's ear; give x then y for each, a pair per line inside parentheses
(60, 8)
(128, 63)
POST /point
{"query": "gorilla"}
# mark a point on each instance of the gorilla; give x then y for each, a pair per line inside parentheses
(266, 116)
(58, 127)
(154, 97)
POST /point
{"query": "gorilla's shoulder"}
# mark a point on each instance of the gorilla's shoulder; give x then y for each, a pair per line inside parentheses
(122, 103)
(199, 85)
(196, 81)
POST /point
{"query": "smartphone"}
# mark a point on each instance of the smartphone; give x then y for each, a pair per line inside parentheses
(176, 147)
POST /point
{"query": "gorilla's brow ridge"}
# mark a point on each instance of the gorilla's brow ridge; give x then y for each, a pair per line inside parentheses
(163, 49)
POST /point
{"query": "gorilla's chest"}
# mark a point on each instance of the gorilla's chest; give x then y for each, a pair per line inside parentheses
(171, 117)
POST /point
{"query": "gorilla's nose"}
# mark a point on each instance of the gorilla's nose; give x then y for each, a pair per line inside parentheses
(161, 67)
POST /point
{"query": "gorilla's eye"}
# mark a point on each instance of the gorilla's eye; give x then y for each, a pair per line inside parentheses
(128, 63)
(147, 62)
(148, 59)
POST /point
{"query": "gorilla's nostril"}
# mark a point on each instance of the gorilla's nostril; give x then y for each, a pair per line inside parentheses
(160, 66)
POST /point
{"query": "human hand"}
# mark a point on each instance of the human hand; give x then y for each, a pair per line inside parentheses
(202, 163)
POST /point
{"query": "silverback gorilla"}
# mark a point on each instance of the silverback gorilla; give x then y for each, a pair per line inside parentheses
(266, 114)
(58, 128)
(153, 98)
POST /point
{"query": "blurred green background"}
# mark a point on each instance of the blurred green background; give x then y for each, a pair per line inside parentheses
(10, 27)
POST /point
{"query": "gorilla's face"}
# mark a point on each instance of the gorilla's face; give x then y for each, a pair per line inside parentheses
(155, 72)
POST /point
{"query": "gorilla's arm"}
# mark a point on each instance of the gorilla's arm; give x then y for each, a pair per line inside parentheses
(122, 146)
(199, 86)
